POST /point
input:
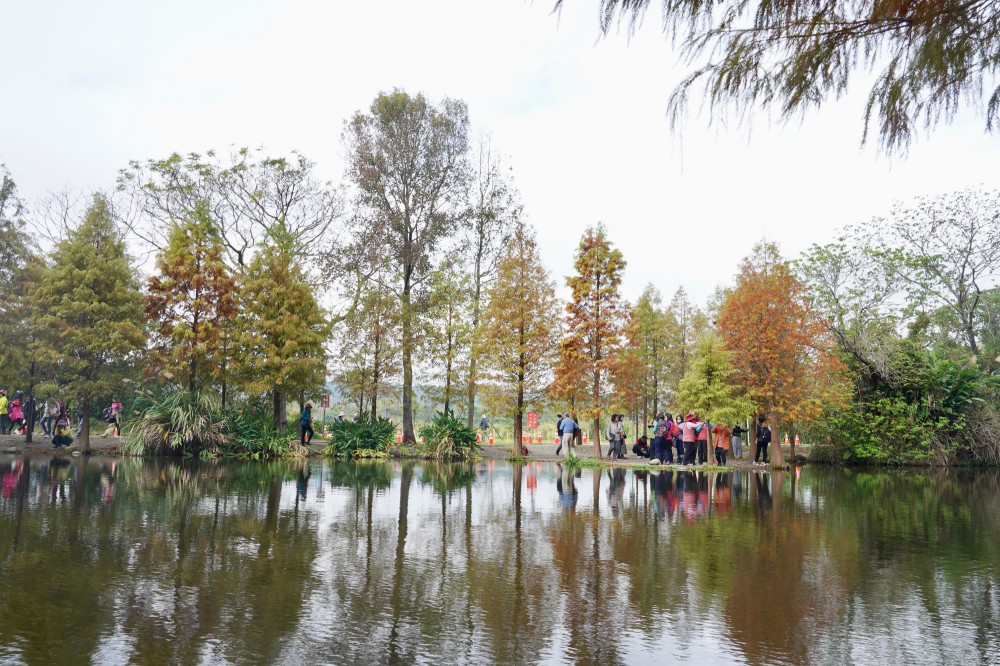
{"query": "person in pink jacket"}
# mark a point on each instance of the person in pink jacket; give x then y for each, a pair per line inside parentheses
(690, 437)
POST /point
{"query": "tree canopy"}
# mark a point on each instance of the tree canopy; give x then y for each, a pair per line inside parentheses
(927, 58)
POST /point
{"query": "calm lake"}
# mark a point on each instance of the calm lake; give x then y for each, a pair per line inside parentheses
(114, 561)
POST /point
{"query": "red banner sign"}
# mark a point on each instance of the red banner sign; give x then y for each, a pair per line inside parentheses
(533, 420)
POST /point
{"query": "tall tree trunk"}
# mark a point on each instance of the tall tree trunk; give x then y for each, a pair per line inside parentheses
(447, 375)
(470, 410)
(597, 418)
(30, 420)
(409, 436)
(518, 415)
(85, 433)
(280, 418)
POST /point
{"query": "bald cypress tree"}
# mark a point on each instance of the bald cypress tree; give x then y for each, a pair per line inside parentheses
(89, 309)
(283, 331)
(191, 302)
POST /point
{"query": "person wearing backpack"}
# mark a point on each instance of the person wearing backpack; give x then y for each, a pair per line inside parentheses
(664, 431)
(305, 424)
(763, 439)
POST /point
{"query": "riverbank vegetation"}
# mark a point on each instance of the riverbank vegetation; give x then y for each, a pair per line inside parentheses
(216, 295)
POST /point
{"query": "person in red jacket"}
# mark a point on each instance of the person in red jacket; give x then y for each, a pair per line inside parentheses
(702, 430)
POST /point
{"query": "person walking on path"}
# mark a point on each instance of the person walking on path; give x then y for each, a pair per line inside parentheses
(559, 432)
(763, 439)
(737, 441)
(4, 413)
(568, 429)
(49, 413)
(664, 431)
(16, 409)
(616, 437)
(723, 440)
(305, 421)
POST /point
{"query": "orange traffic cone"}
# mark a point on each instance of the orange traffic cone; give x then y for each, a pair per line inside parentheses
(491, 438)
(796, 439)
(524, 439)
(399, 436)
(585, 437)
(538, 439)
(555, 440)
(786, 439)
(479, 439)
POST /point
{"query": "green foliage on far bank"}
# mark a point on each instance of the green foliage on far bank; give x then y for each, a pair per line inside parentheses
(446, 437)
(362, 437)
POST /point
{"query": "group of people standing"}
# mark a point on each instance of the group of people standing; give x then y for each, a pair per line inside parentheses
(689, 437)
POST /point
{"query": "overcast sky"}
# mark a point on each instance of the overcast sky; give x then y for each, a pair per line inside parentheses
(89, 86)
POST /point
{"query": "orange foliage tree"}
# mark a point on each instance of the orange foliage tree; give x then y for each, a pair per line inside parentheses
(595, 322)
(779, 347)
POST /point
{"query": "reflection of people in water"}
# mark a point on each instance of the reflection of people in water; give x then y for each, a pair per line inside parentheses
(302, 483)
(723, 494)
(664, 500)
(763, 491)
(616, 490)
(566, 487)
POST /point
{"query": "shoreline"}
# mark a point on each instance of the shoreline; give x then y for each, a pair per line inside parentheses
(108, 446)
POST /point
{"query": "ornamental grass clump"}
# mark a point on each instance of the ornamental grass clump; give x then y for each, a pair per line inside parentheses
(363, 437)
(446, 437)
(181, 422)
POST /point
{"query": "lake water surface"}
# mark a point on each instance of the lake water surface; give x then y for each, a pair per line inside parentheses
(114, 561)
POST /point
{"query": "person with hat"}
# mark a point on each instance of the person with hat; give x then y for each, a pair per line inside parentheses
(341, 417)
(4, 418)
(690, 436)
(305, 420)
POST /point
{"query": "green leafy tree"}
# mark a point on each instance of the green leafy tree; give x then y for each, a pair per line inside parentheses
(191, 303)
(447, 334)
(407, 162)
(648, 343)
(928, 58)
(709, 389)
(283, 329)
(367, 366)
(944, 251)
(518, 331)
(595, 320)
(495, 210)
(90, 309)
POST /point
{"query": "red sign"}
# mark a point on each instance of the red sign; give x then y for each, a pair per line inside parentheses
(326, 400)
(533, 420)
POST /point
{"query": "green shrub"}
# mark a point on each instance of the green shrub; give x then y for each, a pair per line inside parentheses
(253, 434)
(447, 437)
(180, 422)
(368, 434)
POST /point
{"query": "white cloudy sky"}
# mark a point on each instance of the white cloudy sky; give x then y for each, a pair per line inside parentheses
(89, 86)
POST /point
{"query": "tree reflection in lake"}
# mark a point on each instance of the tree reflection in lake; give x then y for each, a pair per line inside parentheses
(154, 561)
